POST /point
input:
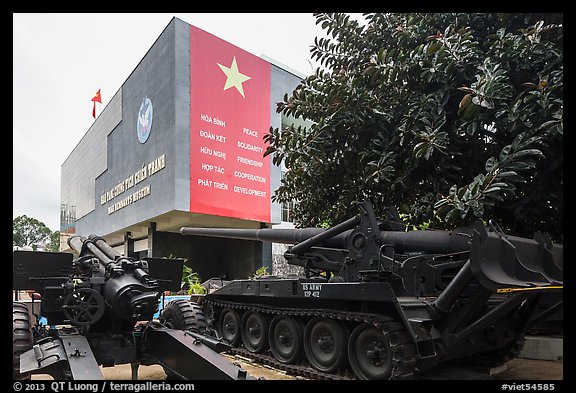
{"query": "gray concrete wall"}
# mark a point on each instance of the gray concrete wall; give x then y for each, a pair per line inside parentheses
(182, 116)
(543, 348)
(154, 77)
(89, 160)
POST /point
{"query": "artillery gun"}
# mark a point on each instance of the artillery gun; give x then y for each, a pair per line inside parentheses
(100, 311)
(379, 302)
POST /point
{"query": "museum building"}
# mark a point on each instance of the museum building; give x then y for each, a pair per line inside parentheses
(181, 144)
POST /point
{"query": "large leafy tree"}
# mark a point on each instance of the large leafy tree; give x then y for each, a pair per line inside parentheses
(449, 117)
(27, 231)
(55, 241)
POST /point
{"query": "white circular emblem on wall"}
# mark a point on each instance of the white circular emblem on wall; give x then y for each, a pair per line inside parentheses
(144, 124)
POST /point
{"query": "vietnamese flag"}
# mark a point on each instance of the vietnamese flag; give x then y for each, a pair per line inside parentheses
(95, 99)
(229, 116)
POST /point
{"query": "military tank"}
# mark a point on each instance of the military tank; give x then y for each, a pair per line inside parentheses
(379, 302)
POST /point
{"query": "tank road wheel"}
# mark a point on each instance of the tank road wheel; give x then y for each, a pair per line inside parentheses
(230, 326)
(286, 339)
(184, 315)
(369, 353)
(254, 332)
(325, 344)
(21, 338)
(381, 353)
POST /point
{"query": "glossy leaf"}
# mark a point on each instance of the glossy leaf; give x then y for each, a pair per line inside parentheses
(466, 108)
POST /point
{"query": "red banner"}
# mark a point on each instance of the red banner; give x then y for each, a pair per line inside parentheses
(229, 115)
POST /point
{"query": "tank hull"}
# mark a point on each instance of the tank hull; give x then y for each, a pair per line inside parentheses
(378, 334)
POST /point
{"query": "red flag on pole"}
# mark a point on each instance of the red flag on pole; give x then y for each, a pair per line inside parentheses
(95, 99)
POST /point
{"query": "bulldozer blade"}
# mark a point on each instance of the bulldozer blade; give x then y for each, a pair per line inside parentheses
(552, 255)
(499, 261)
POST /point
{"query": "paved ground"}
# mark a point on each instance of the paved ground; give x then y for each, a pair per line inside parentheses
(534, 370)
(517, 369)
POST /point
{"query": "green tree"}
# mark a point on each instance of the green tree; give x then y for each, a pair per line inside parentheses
(28, 231)
(450, 117)
(55, 241)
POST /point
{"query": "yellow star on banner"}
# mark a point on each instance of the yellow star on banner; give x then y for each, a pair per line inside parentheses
(233, 77)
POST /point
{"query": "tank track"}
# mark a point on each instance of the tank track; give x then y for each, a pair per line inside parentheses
(404, 350)
(299, 370)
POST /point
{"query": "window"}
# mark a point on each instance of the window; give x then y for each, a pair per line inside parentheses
(287, 208)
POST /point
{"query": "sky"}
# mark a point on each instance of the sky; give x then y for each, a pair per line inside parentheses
(60, 60)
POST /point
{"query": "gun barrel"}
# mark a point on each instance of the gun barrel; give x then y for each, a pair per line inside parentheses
(430, 241)
(75, 242)
(286, 236)
(83, 245)
(104, 247)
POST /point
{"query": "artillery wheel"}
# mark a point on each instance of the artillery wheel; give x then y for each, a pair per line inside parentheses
(21, 338)
(254, 332)
(84, 306)
(184, 315)
(229, 326)
(286, 339)
(325, 344)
